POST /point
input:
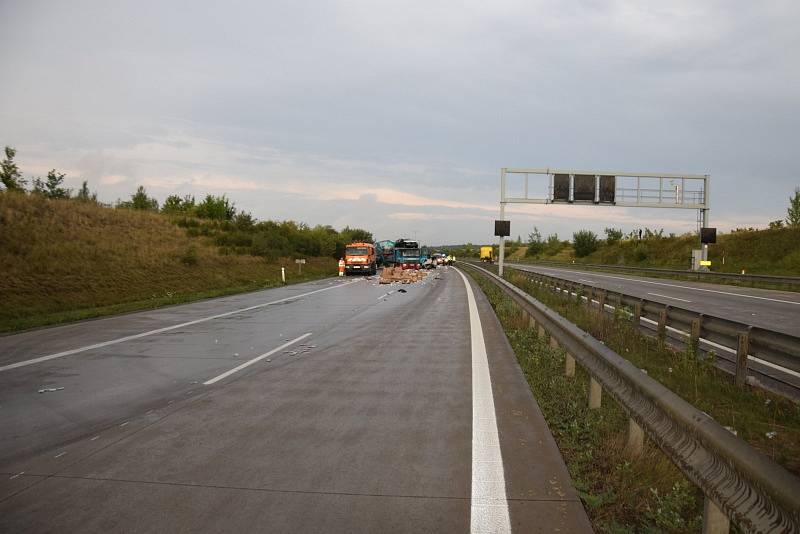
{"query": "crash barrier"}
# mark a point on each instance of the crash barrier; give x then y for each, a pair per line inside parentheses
(739, 483)
(698, 275)
(691, 328)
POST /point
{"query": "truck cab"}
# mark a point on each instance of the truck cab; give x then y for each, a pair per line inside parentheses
(407, 254)
(360, 258)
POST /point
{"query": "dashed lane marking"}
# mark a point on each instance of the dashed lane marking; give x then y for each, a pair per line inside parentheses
(254, 360)
(165, 329)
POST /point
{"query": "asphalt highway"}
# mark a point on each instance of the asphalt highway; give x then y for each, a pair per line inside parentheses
(333, 406)
(774, 310)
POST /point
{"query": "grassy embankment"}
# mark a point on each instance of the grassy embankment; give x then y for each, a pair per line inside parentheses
(769, 252)
(773, 251)
(64, 260)
(647, 493)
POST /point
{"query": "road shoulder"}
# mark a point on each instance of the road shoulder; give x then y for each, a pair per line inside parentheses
(541, 497)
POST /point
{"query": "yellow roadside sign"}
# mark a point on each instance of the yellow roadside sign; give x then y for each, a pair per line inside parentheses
(705, 263)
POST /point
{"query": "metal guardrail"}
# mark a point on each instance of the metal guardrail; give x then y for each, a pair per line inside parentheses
(694, 328)
(699, 275)
(756, 493)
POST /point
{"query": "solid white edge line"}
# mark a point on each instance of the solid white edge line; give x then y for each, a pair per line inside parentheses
(161, 330)
(254, 360)
(489, 503)
(635, 280)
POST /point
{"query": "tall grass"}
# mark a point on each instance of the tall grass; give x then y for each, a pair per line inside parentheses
(63, 260)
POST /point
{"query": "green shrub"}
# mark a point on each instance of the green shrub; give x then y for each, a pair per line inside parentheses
(535, 243)
(613, 235)
(640, 253)
(584, 242)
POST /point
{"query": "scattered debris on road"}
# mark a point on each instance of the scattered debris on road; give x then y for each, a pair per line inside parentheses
(48, 390)
(404, 276)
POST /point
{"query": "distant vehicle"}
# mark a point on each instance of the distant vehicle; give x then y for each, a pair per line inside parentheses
(424, 256)
(487, 254)
(440, 258)
(407, 254)
(385, 252)
(429, 263)
(360, 258)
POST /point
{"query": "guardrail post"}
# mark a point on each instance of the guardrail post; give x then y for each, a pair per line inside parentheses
(541, 332)
(595, 393)
(589, 297)
(569, 365)
(553, 342)
(531, 322)
(714, 520)
(637, 313)
(635, 439)
(694, 337)
(662, 324)
(601, 299)
(742, 348)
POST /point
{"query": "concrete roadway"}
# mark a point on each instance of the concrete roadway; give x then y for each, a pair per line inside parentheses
(399, 412)
(773, 310)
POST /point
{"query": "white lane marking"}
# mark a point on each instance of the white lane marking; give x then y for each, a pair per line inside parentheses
(254, 360)
(489, 504)
(60, 454)
(94, 438)
(125, 423)
(668, 297)
(522, 267)
(165, 329)
(17, 475)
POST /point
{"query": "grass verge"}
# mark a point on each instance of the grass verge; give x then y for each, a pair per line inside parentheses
(167, 298)
(769, 422)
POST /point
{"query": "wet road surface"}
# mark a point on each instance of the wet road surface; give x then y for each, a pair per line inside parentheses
(333, 406)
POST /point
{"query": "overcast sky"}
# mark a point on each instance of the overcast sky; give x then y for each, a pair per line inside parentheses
(397, 116)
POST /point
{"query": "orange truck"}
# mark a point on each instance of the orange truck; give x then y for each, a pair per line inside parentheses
(360, 258)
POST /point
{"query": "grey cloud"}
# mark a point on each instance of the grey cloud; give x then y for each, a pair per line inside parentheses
(430, 97)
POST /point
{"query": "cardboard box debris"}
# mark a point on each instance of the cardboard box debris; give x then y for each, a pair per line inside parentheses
(391, 275)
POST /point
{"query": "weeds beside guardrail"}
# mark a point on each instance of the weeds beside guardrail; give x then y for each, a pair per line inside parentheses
(738, 482)
(736, 342)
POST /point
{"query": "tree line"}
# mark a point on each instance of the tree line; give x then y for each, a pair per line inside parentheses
(233, 231)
